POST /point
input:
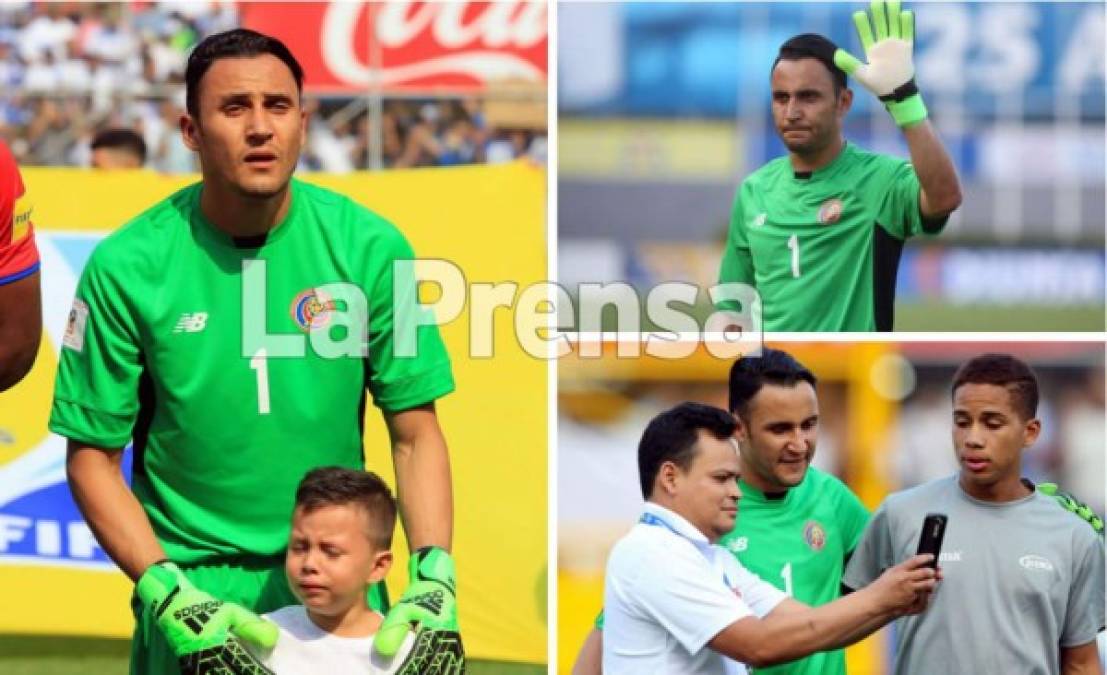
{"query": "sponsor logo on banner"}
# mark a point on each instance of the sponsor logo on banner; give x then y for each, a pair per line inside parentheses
(405, 45)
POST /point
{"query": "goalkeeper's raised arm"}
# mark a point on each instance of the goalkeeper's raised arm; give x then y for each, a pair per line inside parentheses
(889, 73)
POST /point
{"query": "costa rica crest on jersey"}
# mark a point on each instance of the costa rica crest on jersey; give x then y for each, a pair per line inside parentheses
(814, 535)
(831, 211)
(311, 309)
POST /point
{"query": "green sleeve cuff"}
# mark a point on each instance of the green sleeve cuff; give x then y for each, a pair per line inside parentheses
(93, 427)
(414, 390)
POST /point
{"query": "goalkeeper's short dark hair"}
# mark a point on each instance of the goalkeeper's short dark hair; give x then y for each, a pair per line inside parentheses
(339, 486)
(813, 46)
(1002, 370)
(238, 42)
(749, 374)
(672, 436)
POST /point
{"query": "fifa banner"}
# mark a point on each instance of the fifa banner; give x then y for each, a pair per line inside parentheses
(408, 47)
(495, 422)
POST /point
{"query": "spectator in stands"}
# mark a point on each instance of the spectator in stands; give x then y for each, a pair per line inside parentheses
(118, 149)
(69, 68)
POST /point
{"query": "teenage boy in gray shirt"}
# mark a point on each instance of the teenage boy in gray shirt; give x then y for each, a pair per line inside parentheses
(1023, 588)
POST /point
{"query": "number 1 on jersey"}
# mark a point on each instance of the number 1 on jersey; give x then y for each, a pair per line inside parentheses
(794, 244)
(787, 574)
(259, 365)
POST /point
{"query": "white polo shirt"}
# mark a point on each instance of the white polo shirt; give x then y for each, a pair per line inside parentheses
(668, 592)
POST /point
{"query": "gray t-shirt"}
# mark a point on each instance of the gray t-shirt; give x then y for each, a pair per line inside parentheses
(1020, 580)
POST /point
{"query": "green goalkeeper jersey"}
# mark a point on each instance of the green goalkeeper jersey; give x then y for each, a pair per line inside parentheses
(799, 543)
(823, 247)
(162, 347)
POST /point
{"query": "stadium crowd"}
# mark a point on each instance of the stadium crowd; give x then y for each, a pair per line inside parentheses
(69, 71)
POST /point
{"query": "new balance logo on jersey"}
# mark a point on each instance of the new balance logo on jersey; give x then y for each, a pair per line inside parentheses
(191, 322)
(759, 219)
(738, 545)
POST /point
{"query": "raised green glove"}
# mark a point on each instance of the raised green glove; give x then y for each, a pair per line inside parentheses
(429, 608)
(890, 71)
(202, 631)
(1070, 503)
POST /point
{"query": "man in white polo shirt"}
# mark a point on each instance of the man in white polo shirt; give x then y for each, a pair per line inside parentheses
(677, 603)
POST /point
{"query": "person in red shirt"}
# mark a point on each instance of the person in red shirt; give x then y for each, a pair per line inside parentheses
(20, 297)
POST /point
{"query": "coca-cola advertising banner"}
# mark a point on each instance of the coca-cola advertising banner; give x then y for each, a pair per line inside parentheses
(408, 47)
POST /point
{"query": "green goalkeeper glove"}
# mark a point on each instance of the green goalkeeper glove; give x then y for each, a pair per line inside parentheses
(890, 72)
(203, 632)
(1070, 503)
(428, 607)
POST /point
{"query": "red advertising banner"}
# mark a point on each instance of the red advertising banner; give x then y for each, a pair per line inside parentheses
(404, 46)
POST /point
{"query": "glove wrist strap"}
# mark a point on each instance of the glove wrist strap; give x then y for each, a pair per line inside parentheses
(909, 111)
(159, 582)
(901, 93)
(432, 563)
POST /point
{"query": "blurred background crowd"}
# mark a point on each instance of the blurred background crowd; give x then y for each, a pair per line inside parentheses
(70, 71)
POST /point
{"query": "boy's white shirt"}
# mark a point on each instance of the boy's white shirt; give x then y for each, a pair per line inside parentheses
(305, 649)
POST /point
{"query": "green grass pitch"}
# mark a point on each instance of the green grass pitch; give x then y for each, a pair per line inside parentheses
(24, 655)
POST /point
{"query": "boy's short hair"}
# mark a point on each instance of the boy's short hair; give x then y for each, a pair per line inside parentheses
(1002, 370)
(339, 486)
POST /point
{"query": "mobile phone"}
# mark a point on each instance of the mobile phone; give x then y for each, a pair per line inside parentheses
(930, 539)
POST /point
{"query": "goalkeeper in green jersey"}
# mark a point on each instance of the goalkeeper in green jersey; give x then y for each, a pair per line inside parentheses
(819, 232)
(201, 330)
(797, 525)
